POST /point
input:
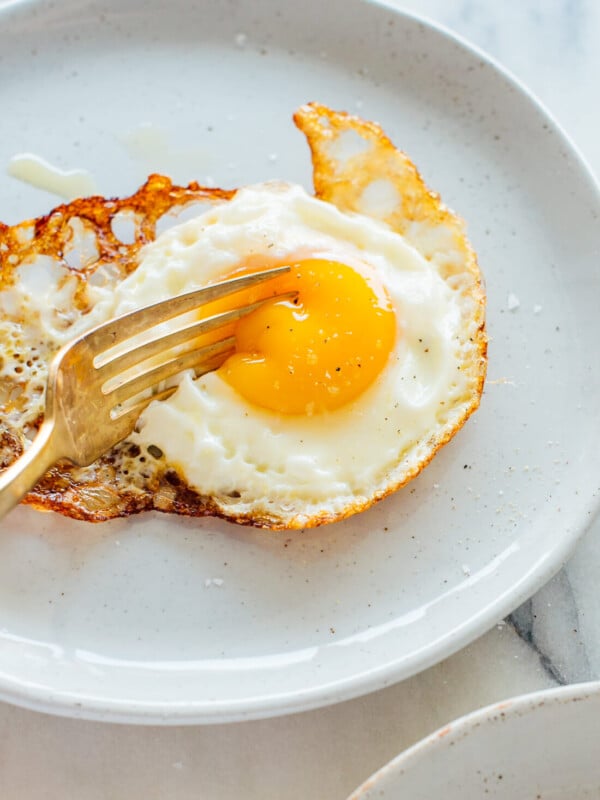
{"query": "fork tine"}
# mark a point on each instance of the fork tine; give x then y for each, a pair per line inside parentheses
(180, 336)
(125, 327)
(123, 421)
(118, 391)
(131, 412)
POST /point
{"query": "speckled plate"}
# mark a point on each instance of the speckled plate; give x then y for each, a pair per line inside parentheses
(541, 746)
(158, 619)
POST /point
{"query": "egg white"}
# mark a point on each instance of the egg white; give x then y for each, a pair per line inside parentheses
(251, 461)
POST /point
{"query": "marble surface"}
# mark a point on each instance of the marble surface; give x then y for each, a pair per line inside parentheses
(553, 639)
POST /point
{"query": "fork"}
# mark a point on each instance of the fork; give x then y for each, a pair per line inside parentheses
(95, 395)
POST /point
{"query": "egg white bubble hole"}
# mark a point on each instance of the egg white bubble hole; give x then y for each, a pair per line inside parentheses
(291, 462)
(296, 460)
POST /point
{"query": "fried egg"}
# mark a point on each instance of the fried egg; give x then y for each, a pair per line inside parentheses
(336, 395)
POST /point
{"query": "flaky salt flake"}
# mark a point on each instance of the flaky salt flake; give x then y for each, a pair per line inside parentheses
(537, 309)
(513, 302)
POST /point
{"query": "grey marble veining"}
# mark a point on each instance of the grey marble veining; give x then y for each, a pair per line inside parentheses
(583, 571)
(550, 624)
(562, 621)
(554, 638)
(552, 47)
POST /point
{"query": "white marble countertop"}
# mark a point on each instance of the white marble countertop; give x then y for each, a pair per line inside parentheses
(554, 638)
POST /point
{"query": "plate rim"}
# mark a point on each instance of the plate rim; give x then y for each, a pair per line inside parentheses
(73, 704)
(456, 729)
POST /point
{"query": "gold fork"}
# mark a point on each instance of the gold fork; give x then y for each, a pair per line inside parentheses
(93, 396)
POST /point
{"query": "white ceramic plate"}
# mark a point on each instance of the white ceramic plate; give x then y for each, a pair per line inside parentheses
(540, 746)
(124, 621)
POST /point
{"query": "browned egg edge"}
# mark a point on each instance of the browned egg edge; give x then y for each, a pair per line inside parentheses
(104, 491)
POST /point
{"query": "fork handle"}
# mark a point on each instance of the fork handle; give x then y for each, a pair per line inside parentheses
(22, 476)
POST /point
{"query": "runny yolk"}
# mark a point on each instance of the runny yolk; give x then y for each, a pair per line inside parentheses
(318, 351)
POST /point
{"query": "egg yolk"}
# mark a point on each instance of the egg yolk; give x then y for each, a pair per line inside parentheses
(319, 350)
